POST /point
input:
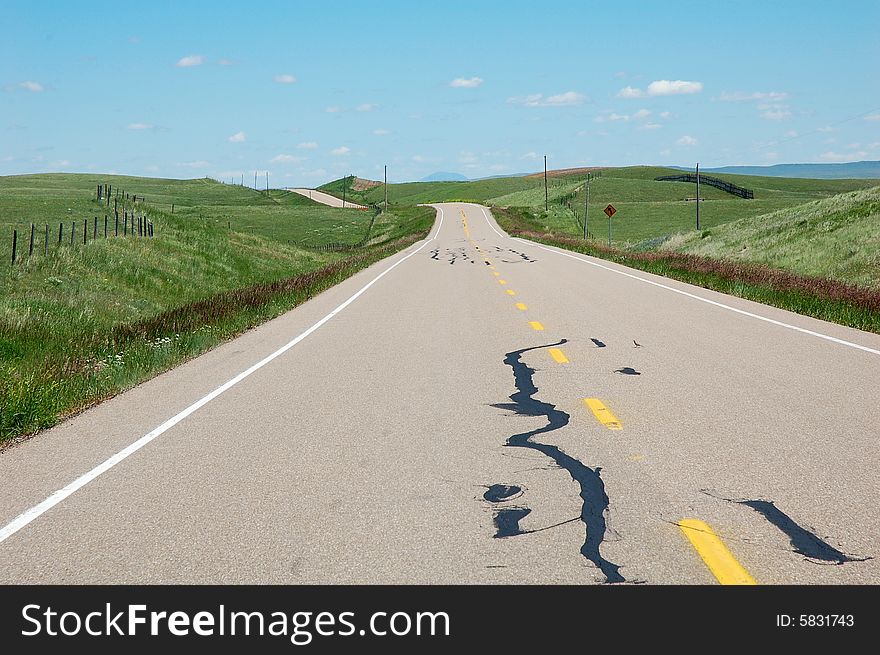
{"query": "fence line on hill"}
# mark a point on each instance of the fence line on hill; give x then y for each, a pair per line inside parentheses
(730, 188)
(134, 223)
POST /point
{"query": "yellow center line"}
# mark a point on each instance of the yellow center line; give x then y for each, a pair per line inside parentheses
(536, 325)
(715, 554)
(521, 306)
(558, 356)
(605, 415)
(502, 281)
(496, 273)
(511, 292)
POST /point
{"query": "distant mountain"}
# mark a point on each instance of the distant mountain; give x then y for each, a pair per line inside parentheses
(442, 176)
(849, 170)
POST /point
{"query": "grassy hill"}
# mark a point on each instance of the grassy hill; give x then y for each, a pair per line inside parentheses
(648, 210)
(86, 321)
(836, 237)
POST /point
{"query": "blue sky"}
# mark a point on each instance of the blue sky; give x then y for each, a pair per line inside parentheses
(310, 91)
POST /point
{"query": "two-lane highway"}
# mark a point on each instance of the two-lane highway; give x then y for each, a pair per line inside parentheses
(475, 409)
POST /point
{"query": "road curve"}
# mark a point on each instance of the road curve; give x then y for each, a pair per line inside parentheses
(425, 422)
(326, 198)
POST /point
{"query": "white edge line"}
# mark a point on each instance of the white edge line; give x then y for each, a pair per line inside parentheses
(58, 496)
(842, 342)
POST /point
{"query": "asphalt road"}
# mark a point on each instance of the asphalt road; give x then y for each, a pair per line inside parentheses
(426, 432)
(326, 198)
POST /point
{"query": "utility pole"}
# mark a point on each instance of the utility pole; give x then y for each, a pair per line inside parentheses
(344, 182)
(386, 187)
(586, 205)
(546, 196)
(267, 183)
(255, 180)
(698, 195)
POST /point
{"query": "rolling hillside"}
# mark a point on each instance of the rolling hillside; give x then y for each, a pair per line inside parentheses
(836, 237)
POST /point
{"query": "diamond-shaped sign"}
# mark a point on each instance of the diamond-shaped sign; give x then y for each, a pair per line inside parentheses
(610, 211)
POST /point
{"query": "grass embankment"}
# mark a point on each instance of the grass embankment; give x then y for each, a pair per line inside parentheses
(837, 238)
(821, 297)
(87, 321)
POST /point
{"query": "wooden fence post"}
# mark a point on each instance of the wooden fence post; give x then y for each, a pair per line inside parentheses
(31, 247)
(85, 230)
(60, 232)
(14, 244)
(72, 232)
(116, 233)
(95, 229)
(46, 241)
(105, 226)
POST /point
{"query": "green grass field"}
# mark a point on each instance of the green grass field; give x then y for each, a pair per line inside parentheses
(836, 237)
(66, 335)
(648, 210)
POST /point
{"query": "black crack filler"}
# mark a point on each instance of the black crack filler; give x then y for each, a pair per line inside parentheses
(589, 479)
(507, 521)
(500, 492)
(804, 542)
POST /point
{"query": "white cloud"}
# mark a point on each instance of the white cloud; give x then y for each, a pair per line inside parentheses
(662, 88)
(419, 158)
(381, 131)
(286, 159)
(826, 129)
(874, 145)
(630, 92)
(613, 117)
(307, 145)
(565, 99)
(367, 106)
(194, 164)
(651, 126)
(771, 156)
(872, 117)
(140, 126)
(285, 79)
(190, 60)
(238, 137)
(466, 82)
(791, 134)
(757, 96)
(841, 157)
(775, 112)
(531, 155)
(665, 115)
(333, 110)
(559, 100)
(225, 62)
(30, 85)
(61, 163)
(341, 150)
(686, 141)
